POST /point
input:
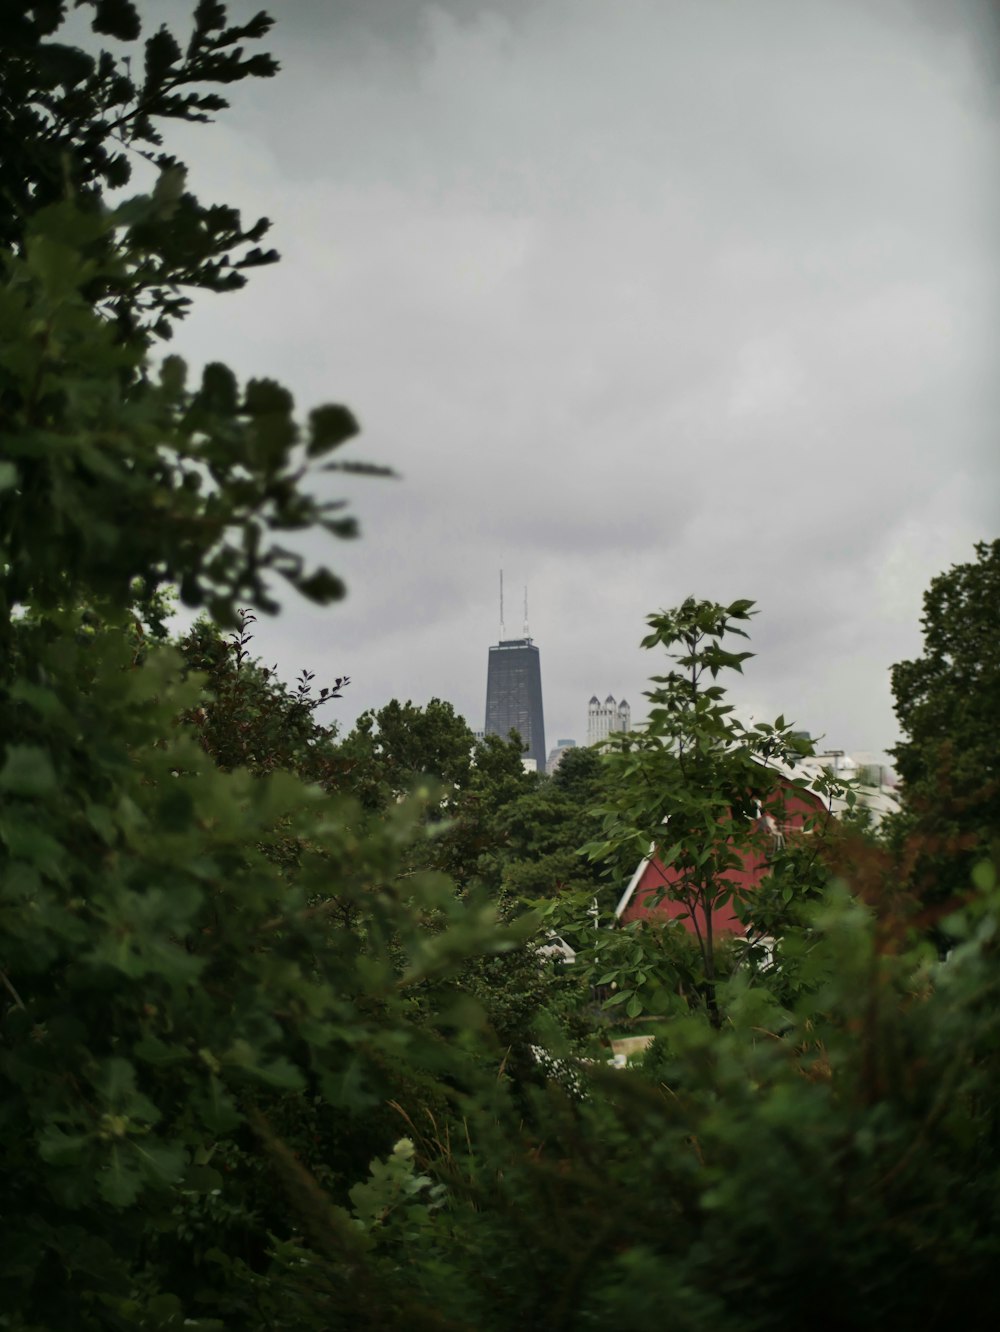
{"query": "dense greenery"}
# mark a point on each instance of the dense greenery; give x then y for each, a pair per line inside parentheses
(196, 945)
(948, 705)
(279, 1047)
(696, 787)
(514, 832)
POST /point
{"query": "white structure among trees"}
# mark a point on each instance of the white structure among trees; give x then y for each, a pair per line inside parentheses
(604, 718)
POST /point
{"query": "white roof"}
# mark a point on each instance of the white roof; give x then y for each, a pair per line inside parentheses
(633, 883)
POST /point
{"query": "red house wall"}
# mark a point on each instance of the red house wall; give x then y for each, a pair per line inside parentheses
(791, 811)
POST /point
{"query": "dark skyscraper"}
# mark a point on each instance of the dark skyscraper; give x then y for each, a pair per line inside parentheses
(514, 695)
(514, 689)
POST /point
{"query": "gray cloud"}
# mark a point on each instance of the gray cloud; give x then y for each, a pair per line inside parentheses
(646, 300)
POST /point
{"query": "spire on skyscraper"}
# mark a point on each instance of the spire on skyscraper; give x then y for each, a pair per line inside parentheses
(514, 690)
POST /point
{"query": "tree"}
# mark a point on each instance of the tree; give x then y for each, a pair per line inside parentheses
(249, 718)
(692, 785)
(172, 994)
(580, 774)
(75, 123)
(206, 477)
(947, 702)
(539, 835)
(832, 1162)
(390, 748)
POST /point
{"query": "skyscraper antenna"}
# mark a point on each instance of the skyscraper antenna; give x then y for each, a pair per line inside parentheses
(526, 634)
(503, 632)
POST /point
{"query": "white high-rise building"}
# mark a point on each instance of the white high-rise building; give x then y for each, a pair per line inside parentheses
(607, 717)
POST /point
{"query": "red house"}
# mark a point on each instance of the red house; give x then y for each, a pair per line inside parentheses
(791, 811)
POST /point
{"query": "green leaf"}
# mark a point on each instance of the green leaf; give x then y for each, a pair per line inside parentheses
(173, 375)
(135, 1161)
(322, 587)
(266, 396)
(8, 476)
(162, 53)
(329, 427)
(168, 190)
(103, 823)
(219, 392)
(57, 265)
(67, 65)
(46, 702)
(984, 876)
(203, 1178)
(217, 1109)
(166, 1310)
(151, 1050)
(63, 1149)
(120, 1179)
(116, 1081)
(27, 771)
(279, 1072)
(160, 1162)
(117, 18)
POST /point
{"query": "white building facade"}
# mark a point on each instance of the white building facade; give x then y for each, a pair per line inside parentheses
(605, 718)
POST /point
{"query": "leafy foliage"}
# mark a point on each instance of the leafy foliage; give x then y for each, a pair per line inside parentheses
(73, 123)
(391, 748)
(248, 718)
(173, 982)
(135, 478)
(691, 787)
(948, 704)
(831, 1164)
(538, 836)
(480, 798)
(275, 1050)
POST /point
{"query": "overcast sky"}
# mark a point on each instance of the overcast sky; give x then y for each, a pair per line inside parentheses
(642, 300)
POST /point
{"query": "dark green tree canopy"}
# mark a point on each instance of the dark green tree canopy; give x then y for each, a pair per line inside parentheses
(947, 700)
(539, 834)
(184, 925)
(248, 717)
(579, 774)
(948, 704)
(391, 747)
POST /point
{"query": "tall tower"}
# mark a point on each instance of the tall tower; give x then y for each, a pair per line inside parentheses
(514, 689)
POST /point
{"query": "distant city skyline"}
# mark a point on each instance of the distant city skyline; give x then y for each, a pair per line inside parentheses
(653, 300)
